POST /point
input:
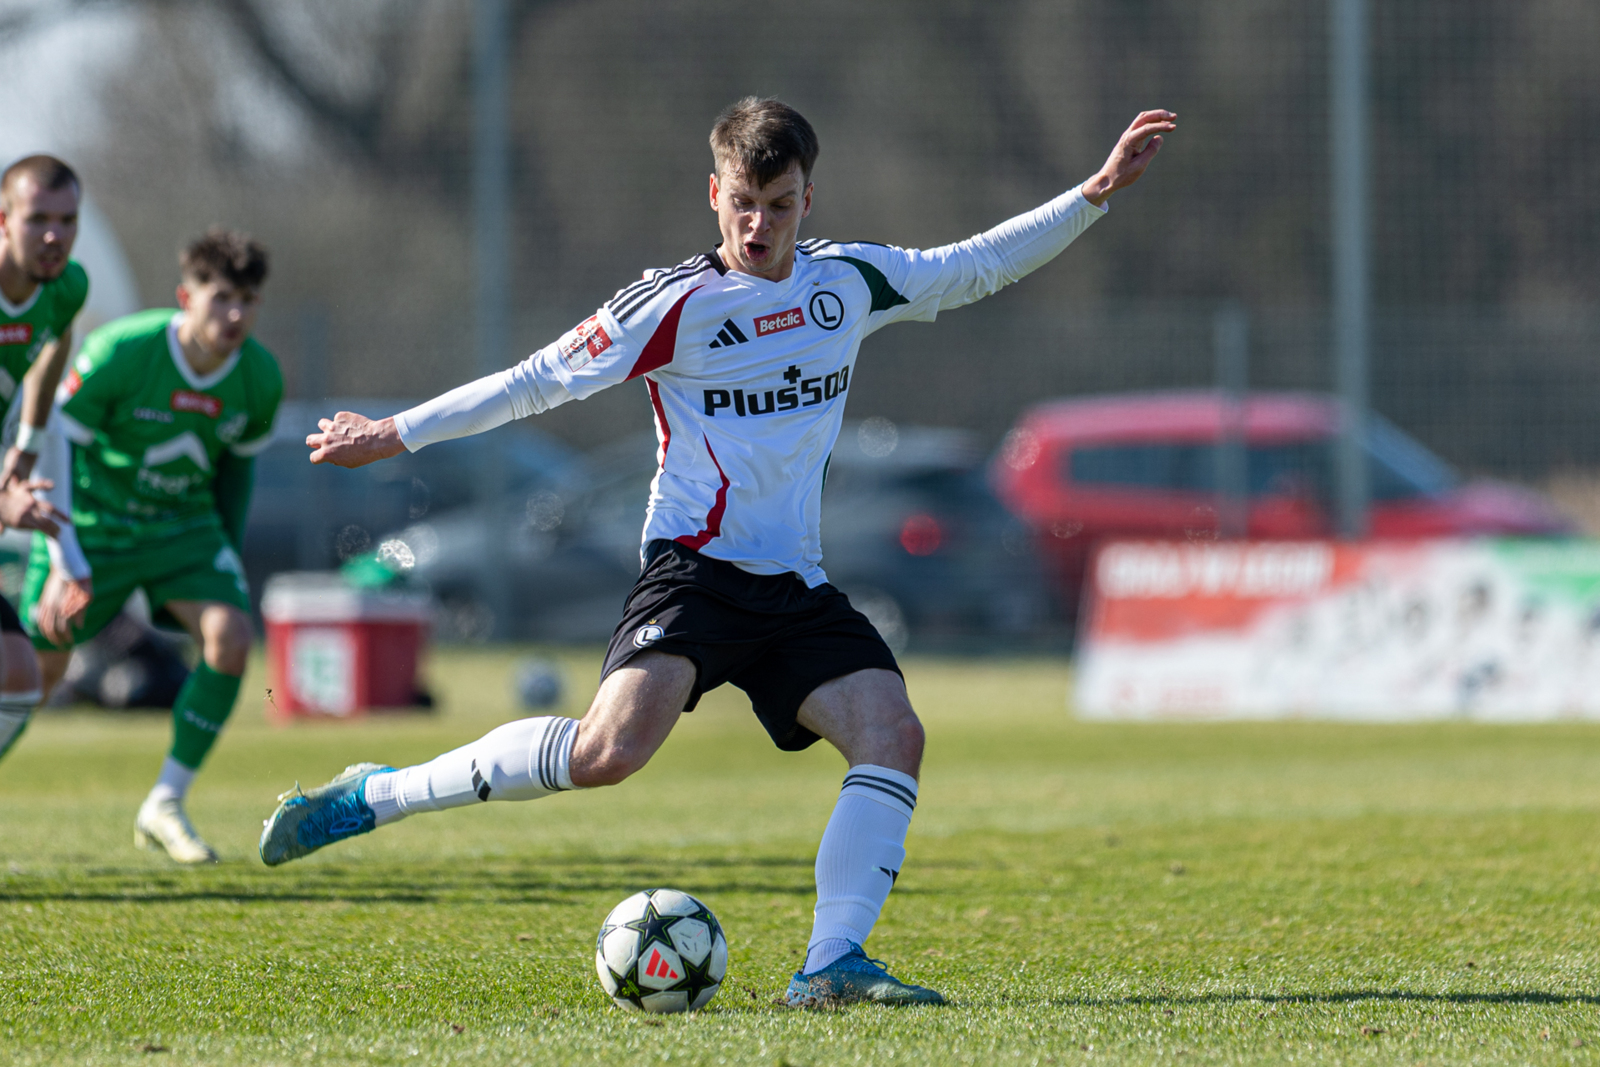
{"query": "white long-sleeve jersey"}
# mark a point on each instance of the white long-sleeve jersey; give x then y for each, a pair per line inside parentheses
(748, 377)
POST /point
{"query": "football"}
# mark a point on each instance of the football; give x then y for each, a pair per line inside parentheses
(661, 951)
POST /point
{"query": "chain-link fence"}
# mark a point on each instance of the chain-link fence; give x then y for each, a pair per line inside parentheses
(341, 134)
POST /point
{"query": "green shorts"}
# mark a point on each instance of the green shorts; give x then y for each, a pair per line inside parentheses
(195, 565)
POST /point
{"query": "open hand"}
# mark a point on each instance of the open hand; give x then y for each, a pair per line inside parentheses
(1135, 149)
(61, 607)
(351, 440)
(18, 466)
(21, 510)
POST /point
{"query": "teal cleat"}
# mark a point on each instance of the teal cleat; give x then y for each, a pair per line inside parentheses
(851, 979)
(304, 822)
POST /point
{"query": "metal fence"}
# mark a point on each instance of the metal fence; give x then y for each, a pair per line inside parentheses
(343, 137)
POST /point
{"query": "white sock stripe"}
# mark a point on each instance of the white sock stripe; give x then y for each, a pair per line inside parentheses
(556, 739)
(560, 751)
(26, 699)
(906, 796)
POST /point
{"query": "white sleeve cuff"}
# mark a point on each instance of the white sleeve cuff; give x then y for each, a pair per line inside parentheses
(28, 437)
(67, 555)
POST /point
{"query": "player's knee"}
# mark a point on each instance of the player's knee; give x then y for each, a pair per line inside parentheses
(907, 738)
(600, 760)
(610, 765)
(228, 637)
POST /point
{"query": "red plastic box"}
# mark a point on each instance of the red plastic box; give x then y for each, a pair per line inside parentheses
(334, 651)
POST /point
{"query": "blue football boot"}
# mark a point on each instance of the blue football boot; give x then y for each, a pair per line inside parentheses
(854, 978)
(304, 822)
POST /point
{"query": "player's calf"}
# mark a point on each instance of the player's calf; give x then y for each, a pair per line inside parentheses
(632, 714)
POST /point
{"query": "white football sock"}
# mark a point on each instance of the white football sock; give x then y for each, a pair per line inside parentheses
(172, 783)
(522, 760)
(859, 859)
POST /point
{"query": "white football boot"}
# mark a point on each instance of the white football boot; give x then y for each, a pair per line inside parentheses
(162, 824)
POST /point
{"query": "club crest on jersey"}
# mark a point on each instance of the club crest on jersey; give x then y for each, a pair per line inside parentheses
(584, 342)
(648, 635)
(800, 392)
(199, 403)
(827, 310)
(16, 333)
(792, 319)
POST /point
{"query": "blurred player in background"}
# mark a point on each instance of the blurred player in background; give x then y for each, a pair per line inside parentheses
(165, 411)
(747, 353)
(41, 291)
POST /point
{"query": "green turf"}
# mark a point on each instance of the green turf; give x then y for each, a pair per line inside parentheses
(1238, 893)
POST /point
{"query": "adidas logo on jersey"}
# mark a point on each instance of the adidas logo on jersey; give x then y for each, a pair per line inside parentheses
(729, 335)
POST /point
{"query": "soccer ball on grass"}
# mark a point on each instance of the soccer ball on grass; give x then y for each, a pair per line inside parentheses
(661, 951)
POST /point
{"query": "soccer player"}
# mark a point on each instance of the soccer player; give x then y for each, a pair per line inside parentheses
(747, 353)
(165, 410)
(41, 291)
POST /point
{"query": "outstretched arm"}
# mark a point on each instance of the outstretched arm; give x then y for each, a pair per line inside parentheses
(594, 355)
(69, 588)
(38, 395)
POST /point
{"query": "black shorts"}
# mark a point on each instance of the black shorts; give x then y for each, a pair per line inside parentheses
(9, 622)
(768, 634)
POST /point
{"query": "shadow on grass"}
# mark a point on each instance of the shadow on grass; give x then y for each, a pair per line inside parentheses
(494, 881)
(1531, 996)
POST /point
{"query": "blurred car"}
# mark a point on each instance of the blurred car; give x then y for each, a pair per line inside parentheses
(911, 533)
(549, 561)
(1147, 465)
(306, 517)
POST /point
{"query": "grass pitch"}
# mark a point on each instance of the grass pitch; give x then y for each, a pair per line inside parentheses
(1085, 894)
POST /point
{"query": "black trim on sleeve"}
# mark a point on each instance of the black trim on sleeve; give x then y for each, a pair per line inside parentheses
(631, 299)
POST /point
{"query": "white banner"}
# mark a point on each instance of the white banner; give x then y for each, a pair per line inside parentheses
(1491, 629)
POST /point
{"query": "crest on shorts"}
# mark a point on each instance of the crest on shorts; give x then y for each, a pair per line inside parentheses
(648, 635)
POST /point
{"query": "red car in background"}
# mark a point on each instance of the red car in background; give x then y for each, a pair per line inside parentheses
(1147, 465)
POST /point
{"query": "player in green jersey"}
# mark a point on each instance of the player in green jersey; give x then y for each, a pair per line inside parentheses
(165, 411)
(41, 292)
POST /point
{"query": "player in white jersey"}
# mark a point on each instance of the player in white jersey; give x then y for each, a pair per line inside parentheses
(747, 353)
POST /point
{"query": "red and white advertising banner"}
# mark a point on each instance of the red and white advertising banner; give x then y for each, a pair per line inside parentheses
(1488, 629)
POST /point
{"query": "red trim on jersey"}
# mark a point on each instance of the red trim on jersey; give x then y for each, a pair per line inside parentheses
(714, 516)
(663, 344)
(663, 428)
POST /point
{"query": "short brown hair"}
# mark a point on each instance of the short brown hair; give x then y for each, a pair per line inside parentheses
(227, 254)
(48, 172)
(763, 138)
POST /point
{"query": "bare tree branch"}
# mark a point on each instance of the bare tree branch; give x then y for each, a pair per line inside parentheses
(15, 25)
(359, 124)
